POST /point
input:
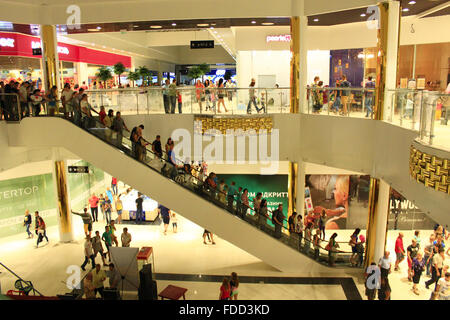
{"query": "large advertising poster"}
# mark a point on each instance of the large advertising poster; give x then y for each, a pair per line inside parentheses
(404, 215)
(273, 188)
(32, 193)
(343, 197)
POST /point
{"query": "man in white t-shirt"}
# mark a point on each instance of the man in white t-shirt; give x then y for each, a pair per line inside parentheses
(442, 287)
(88, 253)
(385, 264)
(66, 99)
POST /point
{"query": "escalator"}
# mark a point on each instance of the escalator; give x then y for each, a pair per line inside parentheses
(175, 189)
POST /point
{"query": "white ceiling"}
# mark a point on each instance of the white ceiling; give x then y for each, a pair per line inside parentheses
(173, 46)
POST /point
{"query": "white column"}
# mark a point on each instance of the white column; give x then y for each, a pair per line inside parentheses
(303, 72)
(301, 188)
(393, 37)
(82, 72)
(381, 220)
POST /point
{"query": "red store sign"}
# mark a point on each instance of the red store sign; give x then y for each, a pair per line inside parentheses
(17, 44)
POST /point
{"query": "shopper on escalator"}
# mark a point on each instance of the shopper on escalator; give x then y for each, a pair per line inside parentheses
(118, 126)
(278, 218)
(156, 146)
(85, 111)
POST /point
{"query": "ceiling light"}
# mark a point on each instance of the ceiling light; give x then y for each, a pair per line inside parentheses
(156, 27)
(135, 26)
(174, 24)
(253, 21)
(412, 2)
(405, 10)
(98, 28)
(202, 24)
(363, 14)
(267, 23)
(315, 20)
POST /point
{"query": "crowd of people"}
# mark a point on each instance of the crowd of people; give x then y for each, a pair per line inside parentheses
(340, 100)
(431, 261)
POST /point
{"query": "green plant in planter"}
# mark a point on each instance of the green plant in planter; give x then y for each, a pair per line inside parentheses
(119, 68)
(104, 74)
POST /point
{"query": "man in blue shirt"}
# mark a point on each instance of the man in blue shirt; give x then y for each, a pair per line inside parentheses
(139, 210)
(165, 215)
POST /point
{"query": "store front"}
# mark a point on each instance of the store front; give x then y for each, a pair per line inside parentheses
(77, 64)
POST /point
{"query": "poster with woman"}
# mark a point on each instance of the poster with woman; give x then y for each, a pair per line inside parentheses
(330, 193)
(344, 199)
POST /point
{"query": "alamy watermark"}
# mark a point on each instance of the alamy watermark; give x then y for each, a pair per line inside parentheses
(74, 19)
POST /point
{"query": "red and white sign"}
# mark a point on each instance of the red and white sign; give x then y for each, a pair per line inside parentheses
(17, 44)
(279, 38)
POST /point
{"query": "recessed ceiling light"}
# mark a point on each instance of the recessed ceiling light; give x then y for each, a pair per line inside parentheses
(156, 27)
(253, 21)
(174, 24)
(99, 28)
(363, 14)
(267, 23)
(202, 24)
(412, 2)
(405, 9)
(135, 26)
(315, 20)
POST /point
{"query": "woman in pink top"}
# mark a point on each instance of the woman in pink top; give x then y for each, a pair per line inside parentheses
(93, 203)
(199, 93)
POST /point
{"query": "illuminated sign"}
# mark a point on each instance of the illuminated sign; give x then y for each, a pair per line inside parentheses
(202, 44)
(279, 38)
(7, 42)
(37, 45)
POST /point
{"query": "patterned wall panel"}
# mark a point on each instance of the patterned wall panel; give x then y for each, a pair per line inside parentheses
(430, 170)
(235, 123)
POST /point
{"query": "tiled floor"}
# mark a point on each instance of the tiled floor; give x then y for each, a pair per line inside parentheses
(184, 253)
(181, 253)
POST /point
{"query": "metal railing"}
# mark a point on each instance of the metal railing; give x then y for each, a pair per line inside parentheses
(427, 112)
(349, 102)
(154, 100)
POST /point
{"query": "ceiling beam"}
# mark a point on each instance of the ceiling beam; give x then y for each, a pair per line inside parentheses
(433, 10)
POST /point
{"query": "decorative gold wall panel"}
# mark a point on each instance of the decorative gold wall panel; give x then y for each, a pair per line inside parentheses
(430, 170)
(233, 123)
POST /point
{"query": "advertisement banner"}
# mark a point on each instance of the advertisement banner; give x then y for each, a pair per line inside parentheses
(343, 197)
(273, 188)
(404, 215)
(32, 193)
